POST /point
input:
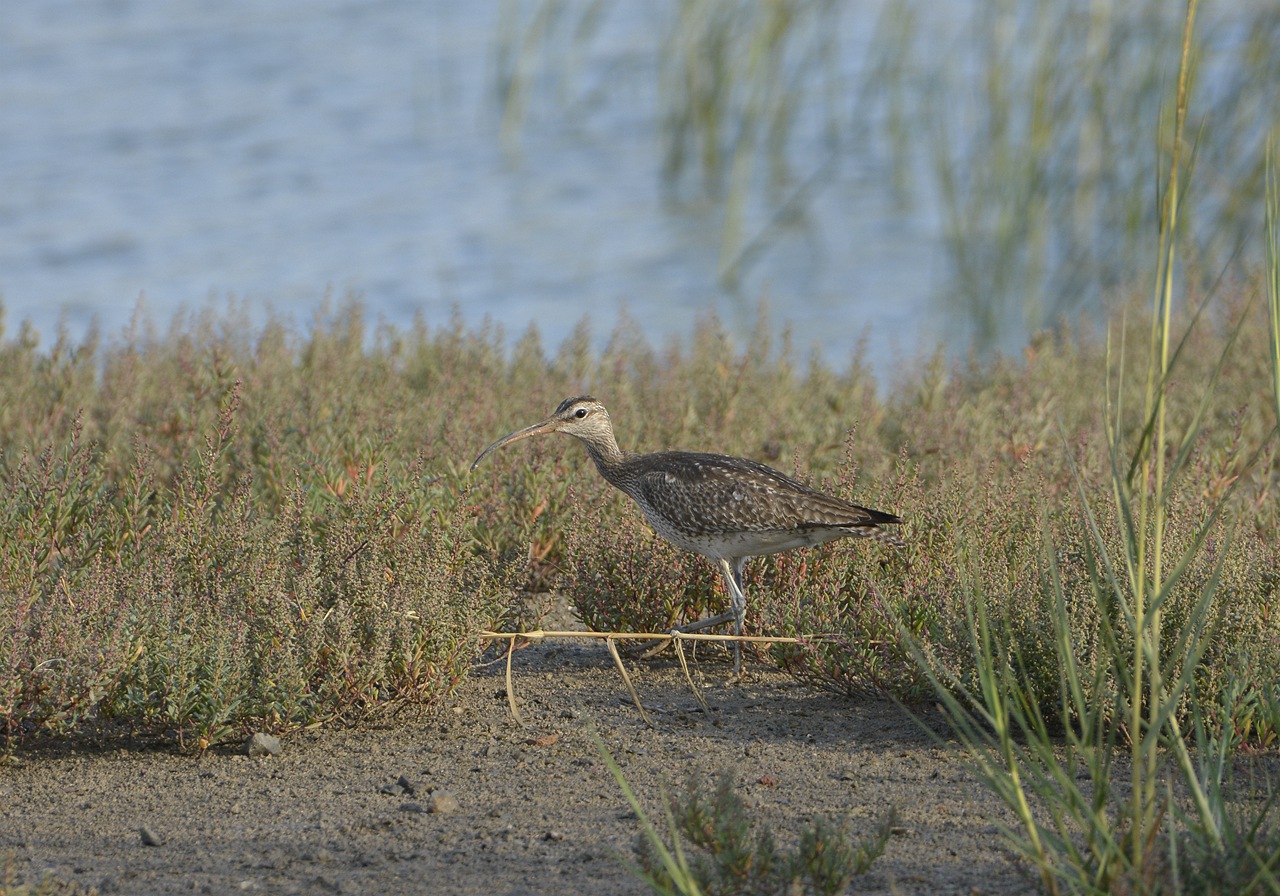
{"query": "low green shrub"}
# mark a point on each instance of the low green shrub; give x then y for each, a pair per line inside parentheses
(735, 855)
(204, 606)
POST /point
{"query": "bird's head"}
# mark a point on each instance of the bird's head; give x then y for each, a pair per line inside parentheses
(583, 417)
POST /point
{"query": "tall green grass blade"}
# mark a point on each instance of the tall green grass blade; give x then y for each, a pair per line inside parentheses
(674, 862)
(1273, 268)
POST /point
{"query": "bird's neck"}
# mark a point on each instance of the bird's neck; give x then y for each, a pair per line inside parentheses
(608, 457)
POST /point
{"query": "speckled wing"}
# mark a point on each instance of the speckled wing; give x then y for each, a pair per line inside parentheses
(691, 497)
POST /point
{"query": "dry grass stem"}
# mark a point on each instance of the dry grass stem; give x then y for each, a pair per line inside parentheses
(617, 659)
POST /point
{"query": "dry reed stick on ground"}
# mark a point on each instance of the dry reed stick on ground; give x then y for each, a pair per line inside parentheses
(539, 634)
(609, 639)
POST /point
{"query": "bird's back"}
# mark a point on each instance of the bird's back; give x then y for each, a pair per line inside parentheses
(730, 506)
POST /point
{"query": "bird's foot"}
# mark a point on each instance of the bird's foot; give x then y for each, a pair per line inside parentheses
(653, 648)
(690, 627)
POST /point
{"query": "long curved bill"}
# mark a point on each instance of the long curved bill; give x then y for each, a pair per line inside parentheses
(535, 430)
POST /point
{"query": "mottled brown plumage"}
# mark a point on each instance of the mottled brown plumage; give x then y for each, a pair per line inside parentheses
(725, 508)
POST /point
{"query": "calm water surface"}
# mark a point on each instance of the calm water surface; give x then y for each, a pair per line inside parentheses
(184, 152)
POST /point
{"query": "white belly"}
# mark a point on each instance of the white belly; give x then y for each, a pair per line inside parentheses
(742, 544)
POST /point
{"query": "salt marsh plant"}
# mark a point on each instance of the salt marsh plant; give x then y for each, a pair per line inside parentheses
(735, 855)
(190, 558)
(732, 854)
(200, 541)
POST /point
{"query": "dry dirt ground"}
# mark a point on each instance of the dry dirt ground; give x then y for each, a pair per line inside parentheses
(534, 813)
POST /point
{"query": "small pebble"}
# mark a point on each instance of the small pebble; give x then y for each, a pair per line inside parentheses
(442, 802)
(150, 837)
(264, 745)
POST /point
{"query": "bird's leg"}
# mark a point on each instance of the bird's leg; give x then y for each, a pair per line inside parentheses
(690, 627)
(738, 603)
(653, 648)
(737, 612)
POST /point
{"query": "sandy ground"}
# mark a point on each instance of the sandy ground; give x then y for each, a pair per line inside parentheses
(536, 809)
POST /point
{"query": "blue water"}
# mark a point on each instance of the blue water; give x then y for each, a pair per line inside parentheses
(176, 153)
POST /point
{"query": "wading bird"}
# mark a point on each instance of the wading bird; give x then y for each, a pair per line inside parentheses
(726, 508)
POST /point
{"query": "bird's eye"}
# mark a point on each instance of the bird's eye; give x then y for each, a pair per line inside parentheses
(580, 413)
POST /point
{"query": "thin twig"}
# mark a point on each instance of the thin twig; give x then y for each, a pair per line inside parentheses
(511, 692)
(610, 637)
(687, 677)
(539, 635)
(613, 652)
